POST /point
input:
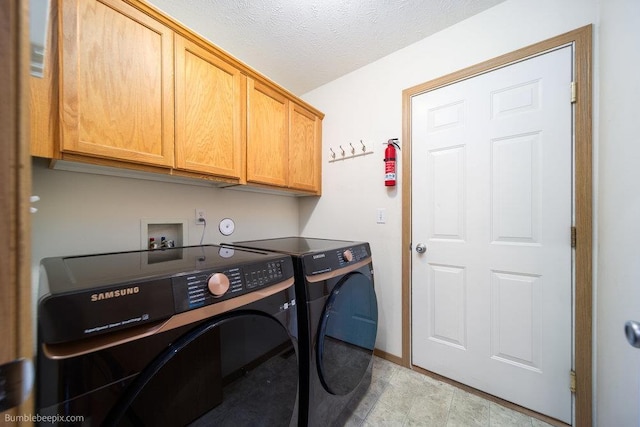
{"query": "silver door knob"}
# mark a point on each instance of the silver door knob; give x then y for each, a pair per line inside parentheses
(421, 248)
(632, 330)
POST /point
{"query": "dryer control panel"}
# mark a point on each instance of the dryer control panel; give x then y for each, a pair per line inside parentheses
(333, 259)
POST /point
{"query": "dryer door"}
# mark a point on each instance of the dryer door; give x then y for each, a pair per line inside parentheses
(347, 333)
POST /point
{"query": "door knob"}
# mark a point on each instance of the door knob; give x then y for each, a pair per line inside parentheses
(421, 248)
(632, 330)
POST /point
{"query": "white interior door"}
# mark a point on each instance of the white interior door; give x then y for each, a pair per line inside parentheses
(492, 204)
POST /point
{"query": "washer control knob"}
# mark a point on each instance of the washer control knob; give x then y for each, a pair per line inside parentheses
(218, 284)
(347, 255)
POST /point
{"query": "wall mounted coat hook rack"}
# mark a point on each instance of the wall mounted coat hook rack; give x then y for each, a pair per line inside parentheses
(350, 156)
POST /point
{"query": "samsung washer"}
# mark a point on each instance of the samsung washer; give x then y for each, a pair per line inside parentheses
(198, 335)
(338, 316)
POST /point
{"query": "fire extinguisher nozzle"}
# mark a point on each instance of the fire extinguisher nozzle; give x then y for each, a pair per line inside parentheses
(394, 141)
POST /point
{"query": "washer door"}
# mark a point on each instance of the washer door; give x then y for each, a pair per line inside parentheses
(238, 369)
(347, 334)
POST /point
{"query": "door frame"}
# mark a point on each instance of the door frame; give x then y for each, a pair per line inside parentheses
(581, 39)
(15, 187)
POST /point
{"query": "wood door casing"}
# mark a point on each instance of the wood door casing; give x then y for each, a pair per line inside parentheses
(209, 112)
(267, 135)
(116, 82)
(15, 188)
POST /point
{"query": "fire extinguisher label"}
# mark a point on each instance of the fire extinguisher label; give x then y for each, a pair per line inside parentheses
(389, 167)
(389, 170)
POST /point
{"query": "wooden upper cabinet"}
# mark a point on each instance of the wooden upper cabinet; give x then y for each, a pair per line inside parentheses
(116, 85)
(209, 112)
(107, 97)
(304, 149)
(267, 135)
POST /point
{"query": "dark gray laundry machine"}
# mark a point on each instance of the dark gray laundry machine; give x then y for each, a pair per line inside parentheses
(338, 321)
(199, 335)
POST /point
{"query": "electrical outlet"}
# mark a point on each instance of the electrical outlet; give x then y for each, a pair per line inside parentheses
(201, 216)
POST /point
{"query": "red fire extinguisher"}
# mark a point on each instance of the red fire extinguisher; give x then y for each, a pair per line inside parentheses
(390, 163)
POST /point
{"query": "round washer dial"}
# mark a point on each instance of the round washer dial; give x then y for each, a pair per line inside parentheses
(218, 284)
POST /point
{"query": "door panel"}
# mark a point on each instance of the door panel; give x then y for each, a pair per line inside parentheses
(492, 201)
(447, 305)
(515, 189)
(515, 319)
(448, 188)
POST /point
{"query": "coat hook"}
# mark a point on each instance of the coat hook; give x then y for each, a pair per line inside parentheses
(364, 148)
(333, 154)
(342, 149)
(353, 150)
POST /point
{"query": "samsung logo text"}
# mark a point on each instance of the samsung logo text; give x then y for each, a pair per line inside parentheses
(114, 294)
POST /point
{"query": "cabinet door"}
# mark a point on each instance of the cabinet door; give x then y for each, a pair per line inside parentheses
(209, 111)
(116, 82)
(267, 135)
(44, 130)
(304, 149)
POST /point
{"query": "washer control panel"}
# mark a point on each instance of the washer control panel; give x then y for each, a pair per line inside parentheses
(202, 288)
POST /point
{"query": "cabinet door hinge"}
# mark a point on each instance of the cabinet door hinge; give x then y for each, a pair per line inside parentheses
(572, 381)
(573, 237)
(573, 92)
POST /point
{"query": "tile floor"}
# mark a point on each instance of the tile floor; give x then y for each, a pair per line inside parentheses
(401, 397)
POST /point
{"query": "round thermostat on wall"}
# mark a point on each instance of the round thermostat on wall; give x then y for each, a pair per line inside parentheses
(227, 226)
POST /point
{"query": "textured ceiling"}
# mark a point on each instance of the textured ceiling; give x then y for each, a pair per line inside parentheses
(303, 44)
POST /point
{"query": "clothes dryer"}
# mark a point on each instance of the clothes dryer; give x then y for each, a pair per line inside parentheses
(199, 335)
(338, 320)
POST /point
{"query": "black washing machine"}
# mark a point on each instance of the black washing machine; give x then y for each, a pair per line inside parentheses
(338, 318)
(200, 335)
